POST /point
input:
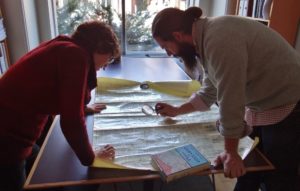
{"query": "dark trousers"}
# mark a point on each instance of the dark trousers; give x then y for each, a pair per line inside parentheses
(12, 177)
(280, 143)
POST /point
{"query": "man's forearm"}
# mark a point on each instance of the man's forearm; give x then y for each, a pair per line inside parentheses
(231, 144)
(186, 108)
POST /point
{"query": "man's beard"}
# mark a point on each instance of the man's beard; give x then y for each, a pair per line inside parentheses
(188, 54)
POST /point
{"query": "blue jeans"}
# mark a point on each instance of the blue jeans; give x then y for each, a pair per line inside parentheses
(280, 143)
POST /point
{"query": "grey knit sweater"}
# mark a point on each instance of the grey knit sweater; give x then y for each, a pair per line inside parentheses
(246, 64)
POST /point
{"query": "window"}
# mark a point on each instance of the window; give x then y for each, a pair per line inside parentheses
(131, 21)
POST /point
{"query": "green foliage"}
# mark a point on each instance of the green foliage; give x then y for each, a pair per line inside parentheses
(138, 30)
(77, 11)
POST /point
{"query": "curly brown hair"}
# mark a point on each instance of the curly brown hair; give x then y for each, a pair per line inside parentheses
(97, 37)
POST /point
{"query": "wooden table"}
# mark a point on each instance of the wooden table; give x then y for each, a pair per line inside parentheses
(57, 165)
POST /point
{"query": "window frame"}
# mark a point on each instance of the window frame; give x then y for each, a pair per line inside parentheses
(123, 39)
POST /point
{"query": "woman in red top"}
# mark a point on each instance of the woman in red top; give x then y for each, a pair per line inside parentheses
(54, 78)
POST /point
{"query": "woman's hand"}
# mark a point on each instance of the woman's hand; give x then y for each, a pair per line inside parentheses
(166, 110)
(232, 163)
(106, 152)
(94, 108)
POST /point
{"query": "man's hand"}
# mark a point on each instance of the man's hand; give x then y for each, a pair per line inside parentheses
(232, 163)
(94, 108)
(166, 110)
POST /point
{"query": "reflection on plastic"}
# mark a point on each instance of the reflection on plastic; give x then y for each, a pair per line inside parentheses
(148, 110)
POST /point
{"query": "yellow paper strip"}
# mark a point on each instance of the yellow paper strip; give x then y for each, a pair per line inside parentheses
(176, 88)
(105, 83)
(183, 88)
(102, 163)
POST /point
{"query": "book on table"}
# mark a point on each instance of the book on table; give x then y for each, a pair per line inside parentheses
(179, 162)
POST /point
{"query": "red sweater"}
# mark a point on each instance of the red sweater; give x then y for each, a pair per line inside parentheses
(55, 78)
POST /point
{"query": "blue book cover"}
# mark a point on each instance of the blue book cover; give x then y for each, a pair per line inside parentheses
(179, 162)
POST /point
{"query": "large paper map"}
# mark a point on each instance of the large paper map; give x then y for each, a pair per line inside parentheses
(136, 136)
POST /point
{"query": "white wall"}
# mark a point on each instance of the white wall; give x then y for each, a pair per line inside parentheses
(31, 25)
(218, 7)
(15, 28)
(212, 8)
(46, 19)
(26, 26)
(205, 5)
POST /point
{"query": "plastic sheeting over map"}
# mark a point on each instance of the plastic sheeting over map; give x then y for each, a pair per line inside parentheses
(136, 136)
(182, 88)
